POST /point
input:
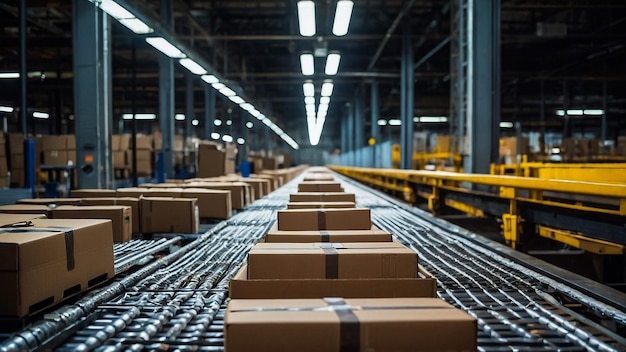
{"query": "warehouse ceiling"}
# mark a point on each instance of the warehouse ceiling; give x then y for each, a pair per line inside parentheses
(564, 46)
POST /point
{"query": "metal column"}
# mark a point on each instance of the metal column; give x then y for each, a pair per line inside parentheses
(458, 75)
(92, 95)
(359, 126)
(406, 99)
(166, 97)
(242, 149)
(209, 111)
(189, 105)
(350, 133)
(483, 94)
(344, 133)
(375, 112)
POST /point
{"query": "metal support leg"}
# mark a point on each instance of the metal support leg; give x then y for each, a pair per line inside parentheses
(166, 98)
(375, 112)
(406, 100)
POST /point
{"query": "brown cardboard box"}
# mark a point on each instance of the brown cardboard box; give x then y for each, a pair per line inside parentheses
(4, 166)
(357, 260)
(320, 205)
(212, 203)
(119, 215)
(257, 163)
(37, 269)
(173, 192)
(119, 160)
(70, 141)
(322, 197)
(274, 235)
(350, 324)
(16, 143)
(508, 146)
(259, 187)
(237, 191)
(157, 140)
(316, 177)
(273, 182)
(211, 162)
(144, 142)
(7, 219)
(92, 193)
(134, 192)
(71, 155)
(443, 144)
(240, 287)
(328, 219)
(4, 182)
(115, 142)
(55, 142)
(133, 203)
(320, 186)
(270, 163)
(17, 161)
(17, 177)
(230, 159)
(55, 157)
(49, 201)
(24, 209)
(172, 215)
(144, 168)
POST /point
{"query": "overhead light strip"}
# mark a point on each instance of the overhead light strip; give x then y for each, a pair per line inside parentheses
(306, 18)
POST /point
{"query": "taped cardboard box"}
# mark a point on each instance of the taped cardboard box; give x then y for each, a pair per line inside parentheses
(331, 261)
(133, 192)
(324, 219)
(169, 215)
(347, 324)
(25, 209)
(92, 193)
(50, 201)
(374, 234)
(119, 160)
(237, 191)
(212, 203)
(273, 182)
(173, 192)
(133, 203)
(240, 287)
(320, 205)
(259, 187)
(320, 186)
(120, 216)
(51, 260)
(322, 197)
(315, 177)
(7, 219)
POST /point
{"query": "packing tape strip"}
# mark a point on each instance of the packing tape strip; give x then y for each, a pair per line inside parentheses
(325, 236)
(68, 235)
(349, 326)
(331, 257)
(321, 219)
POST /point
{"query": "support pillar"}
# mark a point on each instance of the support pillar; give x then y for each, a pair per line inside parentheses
(375, 113)
(359, 128)
(350, 133)
(406, 99)
(209, 111)
(166, 97)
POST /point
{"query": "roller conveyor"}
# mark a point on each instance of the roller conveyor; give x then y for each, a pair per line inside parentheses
(177, 302)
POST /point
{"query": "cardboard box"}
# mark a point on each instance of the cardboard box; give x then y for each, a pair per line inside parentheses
(119, 215)
(4, 182)
(259, 187)
(144, 141)
(133, 192)
(240, 287)
(347, 324)
(70, 141)
(7, 219)
(16, 143)
(17, 161)
(37, 269)
(508, 146)
(358, 260)
(320, 205)
(144, 168)
(17, 177)
(318, 177)
(322, 197)
(170, 215)
(133, 203)
(24, 209)
(92, 193)
(443, 144)
(55, 142)
(211, 162)
(237, 191)
(212, 203)
(320, 186)
(173, 192)
(230, 159)
(327, 219)
(274, 235)
(50, 201)
(270, 163)
(55, 157)
(4, 166)
(119, 160)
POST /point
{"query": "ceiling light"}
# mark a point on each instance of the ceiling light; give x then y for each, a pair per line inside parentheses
(227, 138)
(309, 100)
(382, 122)
(236, 99)
(327, 89)
(308, 89)
(322, 114)
(256, 113)
(332, 64)
(179, 117)
(241, 141)
(227, 92)
(594, 112)
(247, 106)
(307, 64)
(215, 135)
(575, 112)
(435, 119)
(310, 108)
(192, 66)
(217, 122)
(115, 10)
(6, 109)
(136, 25)
(306, 18)
(210, 79)
(9, 75)
(218, 85)
(395, 122)
(249, 124)
(229, 122)
(310, 113)
(325, 100)
(139, 116)
(506, 124)
(322, 107)
(41, 115)
(195, 122)
(165, 47)
(343, 13)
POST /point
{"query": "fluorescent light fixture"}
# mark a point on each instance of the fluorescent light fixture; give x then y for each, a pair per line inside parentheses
(593, 112)
(217, 122)
(307, 64)
(267, 122)
(308, 89)
(306, 18)
(322, 114)
(342, 17)
(382, 122)
(115, 10)
(229, 122)
(322, 107)
(218, 85)
(556, 150)
(165, 47)
(215, 135)
(6, 109)
(256, 113)
(247, 106)
(236, 99)
(9, 75)
(560, 112)
(41, 115)
(227, 138)
(506, 124)
(433, 119)
(310, 108)
(227, 92)
(332, 64)
(309, 100)
(310, 113)
(327, 89)
(241, 141)
(136, 25)
(210, 79)
(195, 122)
(575, 112)
(249, 124)
(395, 122)
(580, 112)
(325, 100)
(139, 116)
(179, 117)
(192, 66)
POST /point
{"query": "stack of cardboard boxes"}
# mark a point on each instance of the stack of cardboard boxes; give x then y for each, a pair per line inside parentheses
(120, 145)
(58, 150)
(144, 155)
(325, 279)
(16, 159)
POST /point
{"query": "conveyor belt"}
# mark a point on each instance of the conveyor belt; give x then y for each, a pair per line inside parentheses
(177, 302)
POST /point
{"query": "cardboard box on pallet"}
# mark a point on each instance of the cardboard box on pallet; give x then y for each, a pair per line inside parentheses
(212, 203)
(133, 203)
(120, 216)
(274, 235)
(347, 324)
(24, 209)
(320, 205)
(51, 260)
(171, 215)
(50, 201)
(240, 287)
(322, 197)
(357, 260)
(324, 219)
(92, 193)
